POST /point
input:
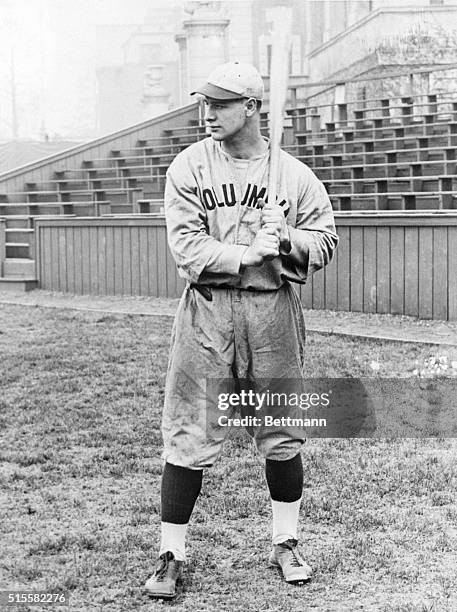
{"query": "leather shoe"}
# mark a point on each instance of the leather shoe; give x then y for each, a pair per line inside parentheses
(287, 557)
(162, 584)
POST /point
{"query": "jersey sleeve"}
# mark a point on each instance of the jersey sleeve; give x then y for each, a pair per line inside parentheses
(313, 239)
(193, 249)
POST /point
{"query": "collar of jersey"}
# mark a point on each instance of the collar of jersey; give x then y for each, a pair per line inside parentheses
(228, 156)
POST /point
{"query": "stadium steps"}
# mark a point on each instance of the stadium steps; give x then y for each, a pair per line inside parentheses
(18, 284)
(19, 268)
(124, 177)
(389, 155)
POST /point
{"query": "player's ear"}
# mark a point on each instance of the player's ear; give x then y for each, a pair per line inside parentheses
(250, 106)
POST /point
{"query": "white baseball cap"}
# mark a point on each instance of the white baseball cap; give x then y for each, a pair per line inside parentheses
(232, 80)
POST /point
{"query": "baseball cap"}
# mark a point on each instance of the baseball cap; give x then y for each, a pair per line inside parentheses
(232, 80)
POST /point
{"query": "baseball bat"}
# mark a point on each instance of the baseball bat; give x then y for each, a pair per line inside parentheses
(281, 37)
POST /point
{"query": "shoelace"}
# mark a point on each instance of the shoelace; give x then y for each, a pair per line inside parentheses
(161, 571)
(297, 560)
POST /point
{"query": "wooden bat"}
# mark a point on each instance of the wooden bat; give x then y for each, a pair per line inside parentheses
(279, 72)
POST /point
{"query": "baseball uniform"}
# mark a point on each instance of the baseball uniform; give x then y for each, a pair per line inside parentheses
(232, 323)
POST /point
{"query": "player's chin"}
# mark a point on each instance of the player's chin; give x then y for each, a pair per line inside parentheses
(217, 135)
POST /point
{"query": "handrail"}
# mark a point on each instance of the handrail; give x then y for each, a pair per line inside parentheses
(377, 77)
(359, 153)
(358, 130)
(95, 142)
(369, 109)
(399, 97)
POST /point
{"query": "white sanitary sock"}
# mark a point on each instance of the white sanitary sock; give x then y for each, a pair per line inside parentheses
(173, 538)
(285, 520)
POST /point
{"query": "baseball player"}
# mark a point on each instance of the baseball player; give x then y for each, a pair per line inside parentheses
(239, 317)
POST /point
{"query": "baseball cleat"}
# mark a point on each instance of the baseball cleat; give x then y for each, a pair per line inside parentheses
(288, 559)
(162, 584)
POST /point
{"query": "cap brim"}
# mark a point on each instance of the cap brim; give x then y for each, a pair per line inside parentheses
(212, 91)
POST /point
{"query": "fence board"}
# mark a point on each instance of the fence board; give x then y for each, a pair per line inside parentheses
(85, 259)
(397, 270)
(382, 270)
(369, 267)
(118, 261)
(425, 272)
(78, 262)
(94, 274)
(62, 251)
(162, 268)
(144, 272)
(54, 258)
(126, 269)
(46, 254)
(135, 261)
(70, 259)
(356, 275)
(412, 271)
(110, 261)
(101, 261)
(440, 288)
(343, 266)
(54, 263)
(452, 274)
(153, 256)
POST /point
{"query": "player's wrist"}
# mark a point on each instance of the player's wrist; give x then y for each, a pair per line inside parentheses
(249, 258)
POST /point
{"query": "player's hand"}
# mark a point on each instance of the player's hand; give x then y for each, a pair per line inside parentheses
(264, 248)
(274, 222)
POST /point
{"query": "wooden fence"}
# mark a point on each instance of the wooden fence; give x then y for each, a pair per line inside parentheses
(403, 264)
(106, 256)
(385, 263)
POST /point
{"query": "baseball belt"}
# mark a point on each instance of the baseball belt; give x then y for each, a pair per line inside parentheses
(205, 290)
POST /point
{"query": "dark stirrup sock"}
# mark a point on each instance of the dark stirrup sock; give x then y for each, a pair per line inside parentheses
(285, 479)
(180, 489)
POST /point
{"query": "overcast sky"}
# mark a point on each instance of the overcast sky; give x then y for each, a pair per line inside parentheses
(53, 46)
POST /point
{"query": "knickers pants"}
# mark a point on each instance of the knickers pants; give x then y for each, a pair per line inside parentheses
(240, 334)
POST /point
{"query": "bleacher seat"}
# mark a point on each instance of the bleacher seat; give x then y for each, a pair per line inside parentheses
(377, 155)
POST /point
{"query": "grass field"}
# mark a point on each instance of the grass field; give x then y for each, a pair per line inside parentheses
(80, 404)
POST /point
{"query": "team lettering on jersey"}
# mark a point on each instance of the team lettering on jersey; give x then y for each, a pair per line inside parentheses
(226, 196)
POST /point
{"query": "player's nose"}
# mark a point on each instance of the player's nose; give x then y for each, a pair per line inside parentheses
(209, 114)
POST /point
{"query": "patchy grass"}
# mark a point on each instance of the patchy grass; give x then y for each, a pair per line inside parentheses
(80, 402)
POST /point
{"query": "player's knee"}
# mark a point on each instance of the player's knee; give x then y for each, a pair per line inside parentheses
(280, 449)
(189, 461)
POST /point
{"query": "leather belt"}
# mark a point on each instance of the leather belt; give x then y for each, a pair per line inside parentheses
(205, 290)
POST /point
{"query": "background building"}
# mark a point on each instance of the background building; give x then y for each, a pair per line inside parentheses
(76, 70)
(335, 40)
